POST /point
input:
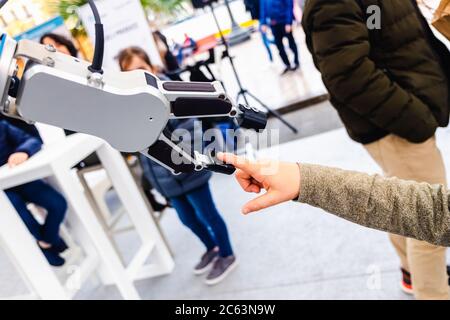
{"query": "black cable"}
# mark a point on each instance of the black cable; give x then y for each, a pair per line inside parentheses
(97, 61)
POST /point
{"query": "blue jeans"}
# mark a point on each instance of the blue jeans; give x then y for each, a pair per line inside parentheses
(198, 212)
(279, 33)
(43, 195)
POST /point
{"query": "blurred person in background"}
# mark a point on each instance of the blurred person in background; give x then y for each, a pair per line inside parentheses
(390, 86)
(279, 15)
(16, 147)
(60, 43)
(171, 64)
(22, 125)
(254, 7)
(135, 58)
(189, 193)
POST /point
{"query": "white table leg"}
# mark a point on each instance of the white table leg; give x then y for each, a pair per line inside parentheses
(131, 198)
(28, 256)
(108, 255)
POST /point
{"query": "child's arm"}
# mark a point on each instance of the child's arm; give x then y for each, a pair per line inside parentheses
(412, 209)
(409, 208)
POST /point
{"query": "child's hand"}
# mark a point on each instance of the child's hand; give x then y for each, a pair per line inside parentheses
(17, 158)
(281, 180)
(288, 28)
(264, 28)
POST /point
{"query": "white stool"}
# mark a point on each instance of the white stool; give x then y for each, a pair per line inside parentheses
(56, 161)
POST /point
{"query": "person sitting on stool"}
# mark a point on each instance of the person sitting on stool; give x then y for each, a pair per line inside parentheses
(16, 147)
(280, 15)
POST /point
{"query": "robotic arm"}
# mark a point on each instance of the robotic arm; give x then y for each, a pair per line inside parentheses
(130, 110)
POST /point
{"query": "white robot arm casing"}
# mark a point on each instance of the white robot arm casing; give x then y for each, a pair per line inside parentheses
(129, 110)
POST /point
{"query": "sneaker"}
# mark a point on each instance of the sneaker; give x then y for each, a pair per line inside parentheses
(53, 258)
(295, 67)
(221, 269)
(206, 261)
(406, 284)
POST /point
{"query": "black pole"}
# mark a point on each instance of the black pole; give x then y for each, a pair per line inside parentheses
(97, 61)
(226, 53)
(234, 24)
(238, 34)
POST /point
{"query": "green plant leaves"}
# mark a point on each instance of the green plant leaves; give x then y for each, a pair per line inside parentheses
(66, 8)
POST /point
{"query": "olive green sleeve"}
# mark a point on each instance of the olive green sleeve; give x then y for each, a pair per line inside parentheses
(412, 209)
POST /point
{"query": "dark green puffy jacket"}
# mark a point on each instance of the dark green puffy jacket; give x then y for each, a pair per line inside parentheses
(390, 80)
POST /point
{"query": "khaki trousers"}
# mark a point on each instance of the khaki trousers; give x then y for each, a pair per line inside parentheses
(423, 163)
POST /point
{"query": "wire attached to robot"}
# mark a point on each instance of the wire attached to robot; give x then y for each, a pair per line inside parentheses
(97, 61)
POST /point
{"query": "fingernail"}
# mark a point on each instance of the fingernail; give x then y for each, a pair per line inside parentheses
(245, 211)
